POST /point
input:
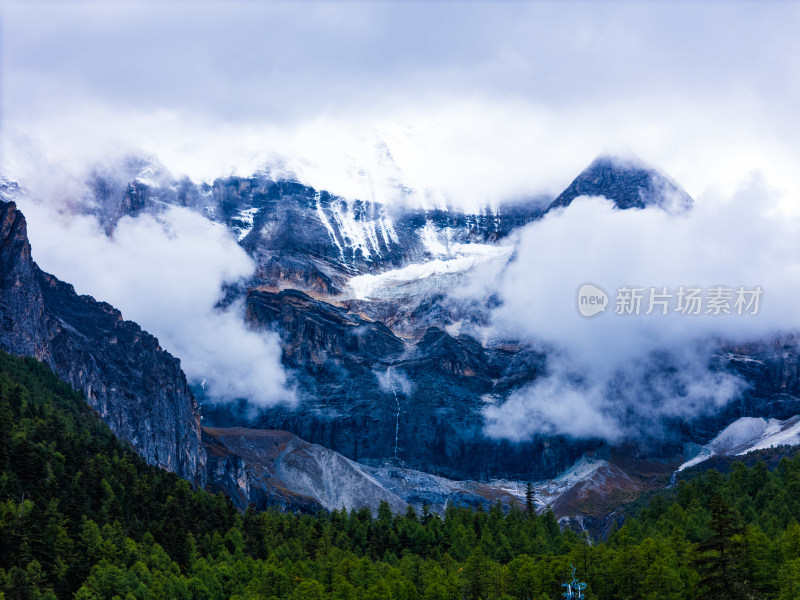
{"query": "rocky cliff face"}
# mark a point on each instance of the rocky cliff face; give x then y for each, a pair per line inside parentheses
(23, 323)
(772, 368)
(135, 386)
(379, 399)
(275, 468)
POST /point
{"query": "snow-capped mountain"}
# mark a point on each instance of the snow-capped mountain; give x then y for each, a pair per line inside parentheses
(306, 239)
(392, 376)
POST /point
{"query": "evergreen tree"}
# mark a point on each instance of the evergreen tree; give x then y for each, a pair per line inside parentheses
(530, 508)
(721, 557)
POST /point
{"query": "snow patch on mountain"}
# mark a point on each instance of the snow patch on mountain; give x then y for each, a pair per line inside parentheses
(749, 434)
(580, 471)
(466, 257)
(242, 223)
(361, 230)
(548, 491)
(323, 218)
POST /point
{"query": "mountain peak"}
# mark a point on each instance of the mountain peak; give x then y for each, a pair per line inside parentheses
(629, 182)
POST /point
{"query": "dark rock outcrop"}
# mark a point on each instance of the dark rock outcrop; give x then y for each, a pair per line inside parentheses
(378, 399)
(770, 372)
(134, 385)
(628, 183)
(313, 331)
(23, 322)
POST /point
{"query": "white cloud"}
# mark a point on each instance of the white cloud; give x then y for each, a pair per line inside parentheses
(167, 275)
(633, 402)
(479, 102)
(393, 381)
(613, 375)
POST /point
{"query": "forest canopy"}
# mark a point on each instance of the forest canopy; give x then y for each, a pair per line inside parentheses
(82, 516)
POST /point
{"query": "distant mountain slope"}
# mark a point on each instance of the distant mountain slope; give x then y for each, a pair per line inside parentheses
(390, 374)
(263, 468)
(749, 434)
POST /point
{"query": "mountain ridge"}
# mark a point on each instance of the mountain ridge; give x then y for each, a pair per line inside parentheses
(144, 399)
(393, 384)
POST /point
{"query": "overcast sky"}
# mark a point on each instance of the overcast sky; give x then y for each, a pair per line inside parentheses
(474, 100)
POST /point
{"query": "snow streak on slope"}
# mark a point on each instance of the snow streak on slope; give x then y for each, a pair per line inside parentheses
(749, 434)
(242, 223)
(324, 220)
(363, 226)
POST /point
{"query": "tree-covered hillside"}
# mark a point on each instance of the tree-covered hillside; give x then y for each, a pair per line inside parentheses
(81, 515)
